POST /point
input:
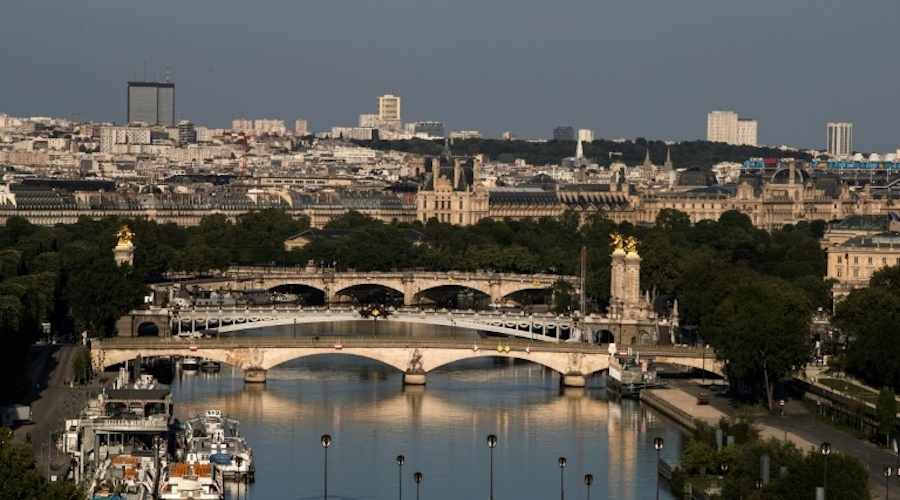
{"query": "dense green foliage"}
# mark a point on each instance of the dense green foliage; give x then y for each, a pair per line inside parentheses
(20, 478)
(847, 475)
(603, 152)
(869, 316)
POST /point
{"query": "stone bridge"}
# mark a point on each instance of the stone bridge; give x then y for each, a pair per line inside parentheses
(574, 361)
(412, 285)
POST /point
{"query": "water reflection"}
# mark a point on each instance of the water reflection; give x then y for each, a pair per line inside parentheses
(440, 429)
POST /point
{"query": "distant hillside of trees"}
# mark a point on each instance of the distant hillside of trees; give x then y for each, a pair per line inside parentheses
(603, 152)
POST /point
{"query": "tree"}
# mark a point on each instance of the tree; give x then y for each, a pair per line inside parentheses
(759, 329)
(20, 478)
(886, 412)
(873, 353)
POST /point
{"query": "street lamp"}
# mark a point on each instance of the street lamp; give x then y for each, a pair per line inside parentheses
(562, 465)
(400, 460)
(326, 442)
(417, 477)
(825, 448)
(887, 482)
(658, 444)
(492, 441)
(588, 480)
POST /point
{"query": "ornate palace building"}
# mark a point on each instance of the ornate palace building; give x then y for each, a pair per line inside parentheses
(454, 190)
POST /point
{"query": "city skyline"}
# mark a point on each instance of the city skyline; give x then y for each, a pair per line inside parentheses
(652, 69)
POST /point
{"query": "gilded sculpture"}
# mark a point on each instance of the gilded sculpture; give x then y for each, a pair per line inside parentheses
(125, 236)
(631, 244)
(618, 243)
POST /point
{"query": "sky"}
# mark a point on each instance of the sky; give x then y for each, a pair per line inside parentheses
(623, 68)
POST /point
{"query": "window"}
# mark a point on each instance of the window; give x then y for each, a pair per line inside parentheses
(855, 272)
(840, 259)
(856, 260)
(870, 261)
(839, 273)
(884, 261)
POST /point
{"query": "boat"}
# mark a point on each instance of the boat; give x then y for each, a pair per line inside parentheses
(628, 375)
(214, 439)
(210, 366)
(190, 363)
(191, 480)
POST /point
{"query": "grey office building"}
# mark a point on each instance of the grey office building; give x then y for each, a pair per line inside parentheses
(563, 134)
(152, 103)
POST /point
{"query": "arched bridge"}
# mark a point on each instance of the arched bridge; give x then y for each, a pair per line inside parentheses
(414, 357)
(413, 286)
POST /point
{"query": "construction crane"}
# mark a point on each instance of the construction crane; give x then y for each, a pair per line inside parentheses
(243, 138)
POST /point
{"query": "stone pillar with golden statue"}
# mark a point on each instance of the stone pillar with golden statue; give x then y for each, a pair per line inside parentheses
(124, 249)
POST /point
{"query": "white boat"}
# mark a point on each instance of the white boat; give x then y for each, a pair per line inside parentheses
(190, 363)
(191, 480)
(627, 375)
(214, 439)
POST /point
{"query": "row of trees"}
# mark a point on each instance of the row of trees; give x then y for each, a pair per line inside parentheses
(739, 467)
(603, 152)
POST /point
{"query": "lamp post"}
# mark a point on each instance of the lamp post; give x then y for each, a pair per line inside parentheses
(417, 477)
(400, 460)
(295, 328)
(491, 442)
(887, 482)
(326, 442)
(658, 444)
(588, 480)
(562, 465)
(825, 448)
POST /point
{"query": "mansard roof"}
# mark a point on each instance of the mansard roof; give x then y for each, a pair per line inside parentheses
(522, 196)
(696, 176)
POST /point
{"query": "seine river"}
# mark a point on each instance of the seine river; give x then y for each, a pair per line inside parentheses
(441, 429)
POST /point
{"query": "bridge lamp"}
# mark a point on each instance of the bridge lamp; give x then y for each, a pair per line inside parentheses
(326, 442)
(825, 448)
(658, 444)
(588, 480)
(491, 442)
(400, 461)
(562, 465)
(417, 477)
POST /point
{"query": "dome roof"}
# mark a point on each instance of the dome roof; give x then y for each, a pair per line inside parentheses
(697, 177)
(783, 176)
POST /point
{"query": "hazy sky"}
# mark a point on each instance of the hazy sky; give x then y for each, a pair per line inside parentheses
(624, 68)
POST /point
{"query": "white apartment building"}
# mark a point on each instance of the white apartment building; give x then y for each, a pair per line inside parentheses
(840, 139)
(241, 125)
(465, 134)
(727, 127)
(267, 126)
(300, 128)
(585, 135)
(115, 136)
(389, 111)
(746, 132)
(721, 126)
(368, 120)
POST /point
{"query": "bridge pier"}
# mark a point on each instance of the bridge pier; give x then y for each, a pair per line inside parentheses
(414, 378)
(572, 380)
(254, 375)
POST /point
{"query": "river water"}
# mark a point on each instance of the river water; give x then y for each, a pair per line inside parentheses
(441, 429)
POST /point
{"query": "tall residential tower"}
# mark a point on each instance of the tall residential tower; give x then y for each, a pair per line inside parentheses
(840, 139)
(152, 103)
(389, 112)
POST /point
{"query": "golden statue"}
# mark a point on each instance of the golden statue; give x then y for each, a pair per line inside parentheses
(617, 242)
(125, 236)
(631, 244)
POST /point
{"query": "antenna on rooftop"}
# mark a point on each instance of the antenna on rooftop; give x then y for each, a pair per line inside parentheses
(167, 74)
(145, 69)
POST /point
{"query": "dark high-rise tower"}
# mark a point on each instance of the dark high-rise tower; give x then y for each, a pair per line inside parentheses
(152, 103)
